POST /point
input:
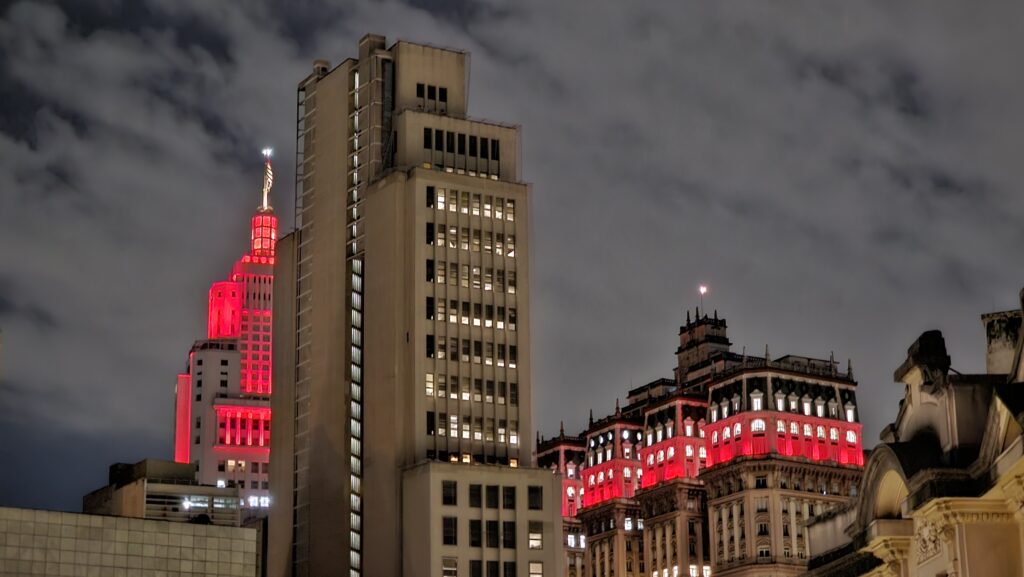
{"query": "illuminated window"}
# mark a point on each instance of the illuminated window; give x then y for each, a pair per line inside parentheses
(780, 403)
(819, 406)
(650, 457)
(626, 473)
(693, 571)
(661, 456)
(449, 567)
(600, 477)
(757, 425)
(703, 452)
(689, 450)
(591, 481)
(851, 437)
(780, 426)
(689, 430)
(671, 452)
(536, 536)
(833, 434)
(807, 408)
(536, 569)
(714, 417)
(726, 433)
(430, 384)
(807, 430)
(714, 438)
(629, 524)
(736, 430)
(849, 414)
(571, 539)
(821, 432)
(794, 429)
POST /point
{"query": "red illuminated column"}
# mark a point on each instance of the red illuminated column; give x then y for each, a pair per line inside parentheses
(182, 418)
(224, 320)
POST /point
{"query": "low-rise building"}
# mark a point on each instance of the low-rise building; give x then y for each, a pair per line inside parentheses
(164, 490)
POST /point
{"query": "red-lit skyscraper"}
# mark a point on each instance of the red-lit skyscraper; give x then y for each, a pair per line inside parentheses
(222, 408)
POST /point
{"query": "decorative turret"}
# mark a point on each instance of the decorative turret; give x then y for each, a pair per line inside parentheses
(263, 238)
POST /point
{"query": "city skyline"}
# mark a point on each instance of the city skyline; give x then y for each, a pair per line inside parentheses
(890, 219)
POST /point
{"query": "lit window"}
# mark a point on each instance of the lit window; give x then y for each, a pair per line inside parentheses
(536, 536)
(833, 434)
(703, 453)
(714, 438)
(820, 408)
(757, 425)
(659, 435)
(726, 433)
(821, 432)
(650, 439)
(650, 459)
(600, 477)
(807, 408)
(689, 450)
(536, 569)
(794, 429)
(689, 430)
(849, 414)
(756, 402)
(671, 452)
(725, 411)
(591, 481)
(693, 571)
(714, 416)
(851, 437)
(661, 456)
(707, 571)
(571, 540)
(780, 426)
(736, 430)
(807, 430)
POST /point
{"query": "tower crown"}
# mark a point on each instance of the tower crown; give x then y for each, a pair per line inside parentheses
(263, 235)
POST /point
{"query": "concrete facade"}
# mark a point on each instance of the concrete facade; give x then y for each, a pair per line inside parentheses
(402, 305)
(164, 490)
(944, 490)
(54, 544)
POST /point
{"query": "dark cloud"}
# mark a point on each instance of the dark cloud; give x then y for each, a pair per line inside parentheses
(842, 177)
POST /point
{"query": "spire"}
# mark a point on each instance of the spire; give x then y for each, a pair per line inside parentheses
(767, 356)
(591, 418)
(849, 368)
(832, 362)
(744, 355)
(268, 178)
(716, 314)
(538, 437)
(561, 428)
(617, 410)
(687, 317)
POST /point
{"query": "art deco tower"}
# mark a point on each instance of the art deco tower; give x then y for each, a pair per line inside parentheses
(402, 352)
(222, 411)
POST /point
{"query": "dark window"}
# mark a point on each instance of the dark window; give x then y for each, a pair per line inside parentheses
(431, 195)
(761, 483)
(494, 150)
(419, 89)
(220, 466)
(508, 534)
(483, 148)
(462, 143)
(442, 94)
(430, 346)
(430, 270)
(199, 384)
(431, 426)
(492, 534)
(448, 492)
(475, 495)
(508, 497)
(510, 569)
(476, 568)
(223, 362)
(430, 233)
(472, 146)
(536, 497)
(438, 139)
(431, 92)
(476, 533)
(223, 382)
(430, 308)
(449, 529)
(492, 569)
(492, 496)
(513, 394)
(450, 142)
(426, 138)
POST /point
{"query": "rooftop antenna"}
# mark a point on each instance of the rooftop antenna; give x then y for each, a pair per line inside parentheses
(268, 177)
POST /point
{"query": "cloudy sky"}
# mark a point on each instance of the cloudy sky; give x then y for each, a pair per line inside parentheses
(842, 175)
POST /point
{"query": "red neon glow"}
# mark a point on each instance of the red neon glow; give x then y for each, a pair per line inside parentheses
(243, 426)
(263, 238)
(183, 418)
(671, 459)
(572, 496)
(224, 320)
(827, 440)
(618, 478)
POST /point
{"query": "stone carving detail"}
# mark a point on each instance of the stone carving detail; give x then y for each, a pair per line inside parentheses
(928, 540)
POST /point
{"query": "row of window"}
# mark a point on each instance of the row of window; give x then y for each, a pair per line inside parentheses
(478, 493)
(659, 433)
(487, 391)
(234, 466)
(475, 204)
(481, 352)
(469, 458)
(450, 568)
(671, 454)
(477, 314)
(758, 426)
(475, 239)
(475, 276)
(476, 428)
(456, 143)
(757, 404)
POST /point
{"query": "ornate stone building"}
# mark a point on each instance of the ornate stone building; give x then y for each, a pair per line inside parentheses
(943, 493)
(564, 455)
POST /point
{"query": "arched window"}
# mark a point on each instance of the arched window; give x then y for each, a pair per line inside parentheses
(833, 434)
(726, 433)
(600, 477)
(821, 432)
(571, 492)
(626, 473)
(714, 438)
(736, 430)
(703, 452)
(689, 450)
(757, 425)
(591, 481)
(807, 430)
(794, 429)
(851, 436)
(671, 452)
(661, 456)
(780, 426)
(650, 459)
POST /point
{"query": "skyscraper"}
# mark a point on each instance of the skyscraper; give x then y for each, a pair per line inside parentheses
(222, 408)
(402, 354)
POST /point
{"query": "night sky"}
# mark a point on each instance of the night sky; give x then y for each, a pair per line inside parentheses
(843, 176)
